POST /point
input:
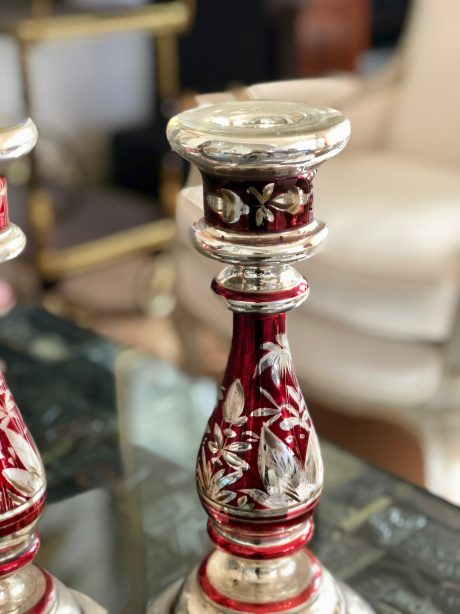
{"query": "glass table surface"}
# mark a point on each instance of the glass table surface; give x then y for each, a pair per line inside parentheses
(119, 431)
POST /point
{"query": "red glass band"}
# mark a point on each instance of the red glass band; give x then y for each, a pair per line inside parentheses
(48, 598)
(262, 552)
(260, 297)
(4, 217)
(23, 559)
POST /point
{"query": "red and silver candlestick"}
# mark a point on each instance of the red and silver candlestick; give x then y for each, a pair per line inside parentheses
(259, 470)
(24, 587)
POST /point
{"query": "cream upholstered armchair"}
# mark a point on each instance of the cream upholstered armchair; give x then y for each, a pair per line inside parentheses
(376, 337)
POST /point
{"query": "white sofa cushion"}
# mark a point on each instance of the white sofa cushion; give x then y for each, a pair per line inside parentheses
(426, 122)
(390, 216)
(382, 306)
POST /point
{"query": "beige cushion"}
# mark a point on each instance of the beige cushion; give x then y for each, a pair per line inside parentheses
(325, 91)
(87, 605)
(383, 306)
(390, 216)
(426, 122)
(368, 105)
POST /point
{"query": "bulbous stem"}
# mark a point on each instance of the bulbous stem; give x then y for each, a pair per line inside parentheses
(260, 474)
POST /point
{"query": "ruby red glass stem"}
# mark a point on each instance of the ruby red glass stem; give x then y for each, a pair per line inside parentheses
(4, 218)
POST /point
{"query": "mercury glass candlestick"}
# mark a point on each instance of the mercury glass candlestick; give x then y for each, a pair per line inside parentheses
(24, 587)
(259, 471)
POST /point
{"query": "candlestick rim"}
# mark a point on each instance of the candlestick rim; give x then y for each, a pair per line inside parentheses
(17, 137)
(258, 138)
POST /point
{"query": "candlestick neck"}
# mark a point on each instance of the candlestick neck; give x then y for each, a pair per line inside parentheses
(4, 216)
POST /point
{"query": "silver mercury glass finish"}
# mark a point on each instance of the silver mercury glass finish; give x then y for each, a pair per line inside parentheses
(260, 141)
(17, 138)
(23, 590)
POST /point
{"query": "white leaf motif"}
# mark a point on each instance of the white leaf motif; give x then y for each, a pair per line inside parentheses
(228, 479)
(234, 402)
(242, 501)
(255, 192)
(218, 436)
(259, 216)
(239, 446)
(15, 498)
(235, 461)
(225, 496)
(212, 447)
(25, 451)
(277, 359)
(265, 411)
(268, 191)
(291, 201)
(288, 423)
(277, 464)
(25, 482)
(228, 205)
(251, 434)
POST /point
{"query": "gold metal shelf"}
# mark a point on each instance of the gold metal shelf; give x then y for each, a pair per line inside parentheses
(156, 19)
(40, 21)
(55, 264)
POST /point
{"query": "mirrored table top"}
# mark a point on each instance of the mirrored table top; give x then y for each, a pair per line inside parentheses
(118, 432)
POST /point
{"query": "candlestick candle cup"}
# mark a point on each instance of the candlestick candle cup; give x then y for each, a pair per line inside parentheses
(24, 587)
(259, 470)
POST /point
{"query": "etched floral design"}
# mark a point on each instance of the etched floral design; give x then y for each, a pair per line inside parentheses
(263, 212)
(221, 449)
(8, 409)
(213, 483)
(27, 481)
(228, 205)
(213, 475)
(234, 404)
(285, 479)
(275, 411)
(291, 201)
(24, 470)
(296, 408)
(278, 359)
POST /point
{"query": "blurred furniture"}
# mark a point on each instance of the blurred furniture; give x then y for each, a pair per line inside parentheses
(330, 35)
(43, 21)
(381, 329)
(123, 520)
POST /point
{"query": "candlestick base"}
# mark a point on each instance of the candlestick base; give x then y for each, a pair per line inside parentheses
(332, 597)
(32, 589)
